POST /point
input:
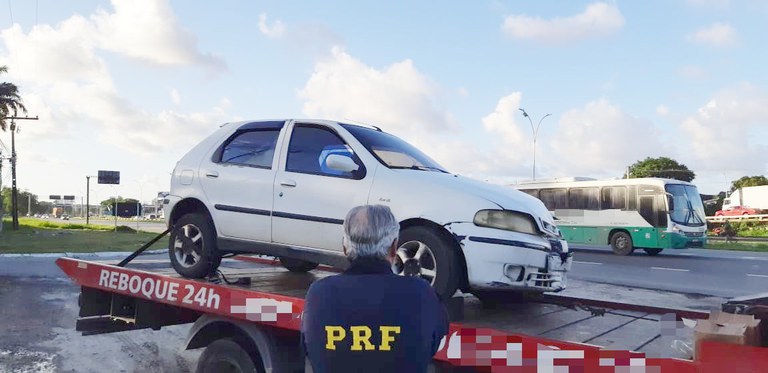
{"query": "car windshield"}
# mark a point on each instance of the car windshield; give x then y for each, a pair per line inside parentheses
(688, 208)
(391, 151)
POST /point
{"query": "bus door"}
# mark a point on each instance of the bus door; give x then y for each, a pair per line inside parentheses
(653, 210)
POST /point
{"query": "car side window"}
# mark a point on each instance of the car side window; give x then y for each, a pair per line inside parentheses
(310, 147)
(250, 148)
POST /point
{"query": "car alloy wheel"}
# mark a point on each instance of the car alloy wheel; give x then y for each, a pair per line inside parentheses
(414, 258)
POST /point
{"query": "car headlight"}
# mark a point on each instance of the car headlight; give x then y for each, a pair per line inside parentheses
(507, 220)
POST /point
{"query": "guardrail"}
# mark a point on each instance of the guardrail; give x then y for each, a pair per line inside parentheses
(719, 219)
(739, 239)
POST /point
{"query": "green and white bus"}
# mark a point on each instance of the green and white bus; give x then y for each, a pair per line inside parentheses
(648, 213)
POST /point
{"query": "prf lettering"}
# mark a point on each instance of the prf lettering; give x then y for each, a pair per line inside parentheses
(361, 337)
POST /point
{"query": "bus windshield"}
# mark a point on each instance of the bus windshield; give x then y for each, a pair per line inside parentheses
(687, 206)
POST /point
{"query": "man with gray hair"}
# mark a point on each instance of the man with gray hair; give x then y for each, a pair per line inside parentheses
(368, 318)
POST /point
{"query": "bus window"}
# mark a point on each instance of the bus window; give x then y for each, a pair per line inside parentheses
(661, 211)
(531, 192)
(632, 198)
(584, 199)
(646, 210)
(554, 198)
(614, 198)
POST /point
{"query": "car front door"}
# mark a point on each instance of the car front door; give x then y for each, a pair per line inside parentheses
(311, 199)
(238, 180)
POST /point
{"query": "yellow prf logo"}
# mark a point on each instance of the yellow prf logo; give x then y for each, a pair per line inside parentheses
(361, 337)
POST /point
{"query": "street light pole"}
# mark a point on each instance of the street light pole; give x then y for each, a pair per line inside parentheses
(535, 135)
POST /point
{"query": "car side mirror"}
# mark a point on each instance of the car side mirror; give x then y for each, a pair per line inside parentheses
(341, 163)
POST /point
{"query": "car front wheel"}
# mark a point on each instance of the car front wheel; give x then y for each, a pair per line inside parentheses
(425, 253)
(192, 246)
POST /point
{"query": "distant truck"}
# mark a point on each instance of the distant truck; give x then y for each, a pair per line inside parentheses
(57, 212)
(755, 197)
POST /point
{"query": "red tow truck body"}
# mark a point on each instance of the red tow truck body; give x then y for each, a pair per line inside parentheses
(266, 316)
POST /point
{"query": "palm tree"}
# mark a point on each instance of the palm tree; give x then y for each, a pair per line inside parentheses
(10, 101)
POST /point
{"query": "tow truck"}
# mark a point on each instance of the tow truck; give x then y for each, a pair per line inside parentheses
(248, 318)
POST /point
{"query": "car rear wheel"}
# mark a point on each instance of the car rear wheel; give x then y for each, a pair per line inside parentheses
(425, 253)
(192, 246)
(297, 265)
(621, 242)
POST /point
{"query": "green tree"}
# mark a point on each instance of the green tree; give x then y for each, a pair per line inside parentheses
(747, 181)
(661, 167)
(25, 198)
(10, 101)
(108, 202)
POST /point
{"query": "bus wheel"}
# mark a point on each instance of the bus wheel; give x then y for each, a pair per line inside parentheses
(621, 242)
(652, 252)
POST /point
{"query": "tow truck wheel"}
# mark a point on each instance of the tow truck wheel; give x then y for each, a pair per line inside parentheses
(652, 252)
(225, 355)
(192, 246)
(424, 252)
(297, 265)
(621, 242)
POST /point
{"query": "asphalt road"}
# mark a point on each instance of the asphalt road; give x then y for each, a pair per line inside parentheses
(693, 271)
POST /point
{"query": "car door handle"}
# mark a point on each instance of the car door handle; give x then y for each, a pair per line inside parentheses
(212, 174)
(288, 183)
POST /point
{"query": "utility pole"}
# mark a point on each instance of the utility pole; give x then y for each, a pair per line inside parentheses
(535, 135)
(14, 191)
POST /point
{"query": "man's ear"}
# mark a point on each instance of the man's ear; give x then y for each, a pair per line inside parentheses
(393, 249)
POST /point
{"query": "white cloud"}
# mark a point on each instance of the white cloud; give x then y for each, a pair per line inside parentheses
(598, 19)
(724, 132)
(78, 92)
(148, 30)
(601, 140)
(662, 110)
(275, 30)
(175, 96)
(501, 121)
(398, 97)
(717, 35)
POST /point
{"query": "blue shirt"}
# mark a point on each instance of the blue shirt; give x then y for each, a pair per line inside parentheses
(370, 320)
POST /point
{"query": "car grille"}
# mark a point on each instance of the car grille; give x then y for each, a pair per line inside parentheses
(694, 234)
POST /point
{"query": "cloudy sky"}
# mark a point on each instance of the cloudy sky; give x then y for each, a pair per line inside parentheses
(131, 85)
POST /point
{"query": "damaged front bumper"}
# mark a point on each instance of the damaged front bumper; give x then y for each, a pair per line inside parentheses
(501, 260)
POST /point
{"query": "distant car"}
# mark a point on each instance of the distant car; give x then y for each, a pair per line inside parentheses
(64, 217)
(737, 211)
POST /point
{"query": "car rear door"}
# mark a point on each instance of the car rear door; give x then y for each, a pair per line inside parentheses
(311, 200)
(238, 181)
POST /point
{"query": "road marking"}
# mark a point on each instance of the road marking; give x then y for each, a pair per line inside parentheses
(751, 275)
(749, 257)
(671, 269)
(576, 261)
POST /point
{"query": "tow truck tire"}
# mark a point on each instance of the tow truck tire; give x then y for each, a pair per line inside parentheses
(652, 252)
(445, 252)
(621, 242)
(297, 265)
(225, 355)
(194, 232)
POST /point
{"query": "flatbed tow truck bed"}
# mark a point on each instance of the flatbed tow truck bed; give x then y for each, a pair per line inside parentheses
(536, 336)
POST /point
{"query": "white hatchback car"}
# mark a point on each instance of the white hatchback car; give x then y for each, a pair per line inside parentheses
(283, 188)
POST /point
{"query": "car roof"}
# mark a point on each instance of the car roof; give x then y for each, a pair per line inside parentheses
(279, 123)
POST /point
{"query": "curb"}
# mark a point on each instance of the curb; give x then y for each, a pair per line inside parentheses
(103, 254)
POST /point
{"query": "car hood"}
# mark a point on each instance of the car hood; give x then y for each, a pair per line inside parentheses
(505, 197)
